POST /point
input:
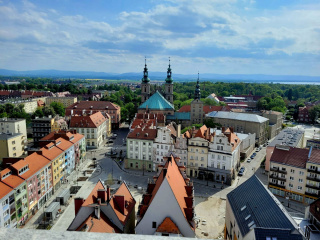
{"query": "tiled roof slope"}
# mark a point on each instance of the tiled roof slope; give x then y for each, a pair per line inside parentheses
(252, 201)
(238, 116)
(168, 226)
(157, 102)
(297, 157)
(4, 190)
(88, 121)
(96, 105)
(143, 133)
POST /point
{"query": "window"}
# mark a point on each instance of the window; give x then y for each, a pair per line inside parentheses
(292, 171)
(300, 180)
(290, 185)
(154, 224)
(299, 188)
(157, 146)
(291, 178)
(13, 142)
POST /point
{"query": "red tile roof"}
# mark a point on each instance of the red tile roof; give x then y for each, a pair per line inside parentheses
(12, 180)
(4, 190)
(94, 105)
(297, 157)
(143, 133)
(314, 156)
(51, 152)
(36, 162)
(89, 121)
(168, 226)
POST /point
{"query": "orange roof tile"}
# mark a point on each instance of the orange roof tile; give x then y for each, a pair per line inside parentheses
(12, 180)
(36, 162)
(102, 225)
(92, 198)
(88, 121)
(168, 226)
(143, 133)
(51, 152)
(64, 144)
(4, 190)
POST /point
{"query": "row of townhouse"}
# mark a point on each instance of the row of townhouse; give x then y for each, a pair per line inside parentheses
(206, 153)
(295, 173)
(26, 184)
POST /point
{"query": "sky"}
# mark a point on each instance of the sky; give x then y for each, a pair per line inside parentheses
(275, 37)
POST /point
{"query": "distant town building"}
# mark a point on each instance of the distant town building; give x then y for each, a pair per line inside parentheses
(275, 122)
(13, 125)
(176, 219)
(148, 120)
(252, 216)
(303, 115)
(40, 128)
(93, 127)
(65, 101)
(213, 97)
(90, 107)
(105, 212)
(243, 123)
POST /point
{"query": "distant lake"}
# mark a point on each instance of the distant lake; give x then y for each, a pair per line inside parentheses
(304, 83)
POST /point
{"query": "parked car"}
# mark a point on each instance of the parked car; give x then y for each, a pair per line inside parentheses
(257, 149)
(249, 160)
(252, 156)
(241, 171)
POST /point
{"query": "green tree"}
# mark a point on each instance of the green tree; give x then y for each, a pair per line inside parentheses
(58, 108)
(48, 110)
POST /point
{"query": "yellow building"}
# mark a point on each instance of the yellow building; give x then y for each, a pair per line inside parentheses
(56, 156)
(12, 145)
(66, 101)
(59, 124)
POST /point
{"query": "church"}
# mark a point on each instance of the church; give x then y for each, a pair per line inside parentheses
(161, 101)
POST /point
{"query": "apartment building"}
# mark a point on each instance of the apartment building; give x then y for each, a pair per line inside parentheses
(65, 101)
(252, 216)
(91, 107)
(303, 115)
(223, 156)
(310, 225)
(13, 125)
(243, 123)
(315, 143)
(12, 145)
(59, 124)
(40, 128)
(18, 208)
(167, 206)
(294, 173)
(287, 137)
(140, 149)
(93, 127)
(162, 145)
(275, 122)
(6, 199)
(198, 152)
(181, 147)
(105, 212)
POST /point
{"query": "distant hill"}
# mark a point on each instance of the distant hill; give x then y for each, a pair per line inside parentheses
(162, 76)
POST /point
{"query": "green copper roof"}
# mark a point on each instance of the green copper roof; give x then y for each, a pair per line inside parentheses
(179, 116)
(157, 102)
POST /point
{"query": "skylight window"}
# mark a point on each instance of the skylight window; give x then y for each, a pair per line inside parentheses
(250, 224)
(243, 208)
(247, 217)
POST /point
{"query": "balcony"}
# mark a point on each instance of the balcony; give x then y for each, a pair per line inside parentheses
(313, 178)
(12, 210)
(278, 177)
(313, 186)
(312, 194)
(313, 170)
(19, 204)
(277, 169)
(277, 185)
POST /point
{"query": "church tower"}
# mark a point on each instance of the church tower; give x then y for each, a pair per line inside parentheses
(168, 87)
(197, 106)
(145, 84)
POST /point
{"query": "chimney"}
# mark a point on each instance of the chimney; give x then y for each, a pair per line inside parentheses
(223, 129)
(179, 130)
(99, 201)
(120, 202)
(108, 193)
(77, 204)
(164, 172)
(102, 194)
(97, 211)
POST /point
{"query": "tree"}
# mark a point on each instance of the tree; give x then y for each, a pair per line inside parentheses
(48, 110)
(58, 108)
(290, 94)
(210, 123)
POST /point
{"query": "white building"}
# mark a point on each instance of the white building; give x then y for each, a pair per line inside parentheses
(167, 208)
(224, 155)
(13, 125)
(181, 148)
(163, 143)
(93, 127)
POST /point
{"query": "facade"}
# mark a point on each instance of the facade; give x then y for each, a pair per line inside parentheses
(162, 145)
(243, 123)
(105, 212)
(314, 143)
(294, 173)
(59, 124)
(196, 114)
(140, 149)
(13, 125)
(155, 216)
(311, 224)
(65, 101)
(287, 137)
(93, 127)
(12, 145)
(181, 148)
(275, 122)
(91, 107)
(18, 209)
(303, 115)
(224, 156)
(252, 216)
(7, 206)
(40, 128)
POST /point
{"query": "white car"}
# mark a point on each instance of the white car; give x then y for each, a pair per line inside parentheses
(248, 160)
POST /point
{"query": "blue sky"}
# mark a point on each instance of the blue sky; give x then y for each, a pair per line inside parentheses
(280, 37)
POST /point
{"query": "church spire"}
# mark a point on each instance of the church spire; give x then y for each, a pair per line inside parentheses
(145, 78)
(169, 73)
(197, 94)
